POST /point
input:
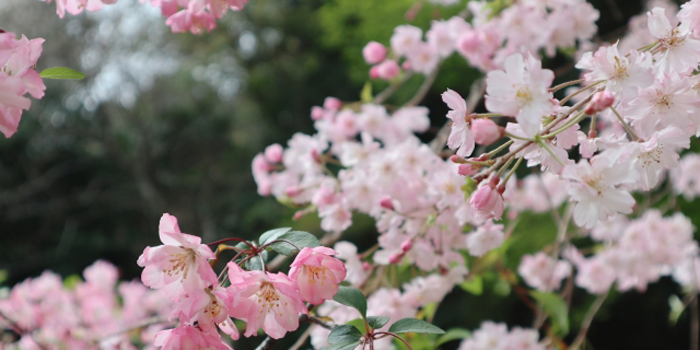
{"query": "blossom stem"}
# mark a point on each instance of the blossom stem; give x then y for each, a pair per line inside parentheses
(512, 170)
(486, 115)
(504, 167)
(230, 240)
(517, 137)
(424, 88)
(382, 96)
(546, 147)
(567, 98)
(567, 84)
(575, 120)
(628, 129)
(499, 148)
(280, 240)
(395, 336)
(588, 319)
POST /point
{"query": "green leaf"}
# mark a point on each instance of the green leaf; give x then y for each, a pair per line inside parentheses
(414, 325)
(352, 297)
(271, 235)
(453, 334)
(555, 306)
(349, 345)
(676, 305)
(474, 285)
(377, 321)
(299, 238)
(359, 323)
(343, 334)
(72, 281)
(366, 93)
(61, 73)
(254, 262)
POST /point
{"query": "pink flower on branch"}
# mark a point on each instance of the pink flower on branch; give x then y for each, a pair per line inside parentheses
(317, 274)
(270, 301)
(180, 265)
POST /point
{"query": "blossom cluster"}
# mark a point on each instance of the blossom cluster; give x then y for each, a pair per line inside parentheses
(195, 16)
(495, 336)
(46, 313)
(492, 35)
(75, 7)
(181, 268)
(18, 77)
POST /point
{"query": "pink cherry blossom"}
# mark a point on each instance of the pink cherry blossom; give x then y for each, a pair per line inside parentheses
(487, 237)
(17, 78)
(595, 189)
(679, 52)
(623, 74)
(486, 201)
(264, 300)
(520, 91)
(543, 272)
(180, 265)
(188, 337)
(317, 274)
(75, 7)
(461, 138)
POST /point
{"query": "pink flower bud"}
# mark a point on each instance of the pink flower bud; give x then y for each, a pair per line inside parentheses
(467, 169)
(373, 52)
(273, 153)
(469, 42)
(601, 100)
(406, 65)
(316, 156)
(485, 131)
(317, 113)
(407, 245)
(386, 203)
(487, 202)
(332, 103)
(374, 72)
(388, 69)
(457, 159)
(366, 266)
(395, 258)
(300, 214)
(292, 191)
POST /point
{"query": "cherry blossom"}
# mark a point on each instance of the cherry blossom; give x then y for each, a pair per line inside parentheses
(317, 274)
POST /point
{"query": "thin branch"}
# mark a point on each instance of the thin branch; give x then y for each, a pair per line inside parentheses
(588, 319)
(382, 96)
(423, 89)
(302, 339)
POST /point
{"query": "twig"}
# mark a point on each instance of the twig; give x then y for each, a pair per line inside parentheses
(382, 96)
(423, 89)
(694, 323)
(267, 344)
(302, 339)
(587, 320)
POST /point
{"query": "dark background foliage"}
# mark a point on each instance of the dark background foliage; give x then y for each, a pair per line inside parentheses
(170, 123)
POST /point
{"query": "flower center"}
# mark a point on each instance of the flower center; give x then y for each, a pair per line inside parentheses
(267, 297)
(523, 94)
(316, 273)
(651, 157)
(180, 262)
(594, 182)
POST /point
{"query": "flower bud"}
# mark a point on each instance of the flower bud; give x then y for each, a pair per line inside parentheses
(467, 169)
(406, 65)
(485, 131)
(366, 266)
(292, 191)
(332, 103)
(316, 156)
(407, 245)
(601, 100)
(386, 203)
(388, 69)
(395, 258)
(273, 153)
(374, 72)
(469, 42)
(373, 52)
(317, 113)
(457, 159)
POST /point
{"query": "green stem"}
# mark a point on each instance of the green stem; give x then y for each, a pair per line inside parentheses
(567, 98)
(512, 170)
(544, 145)
(499, 148)
(629, 130)
(575, 120)
(504, 167)
(517, 137)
